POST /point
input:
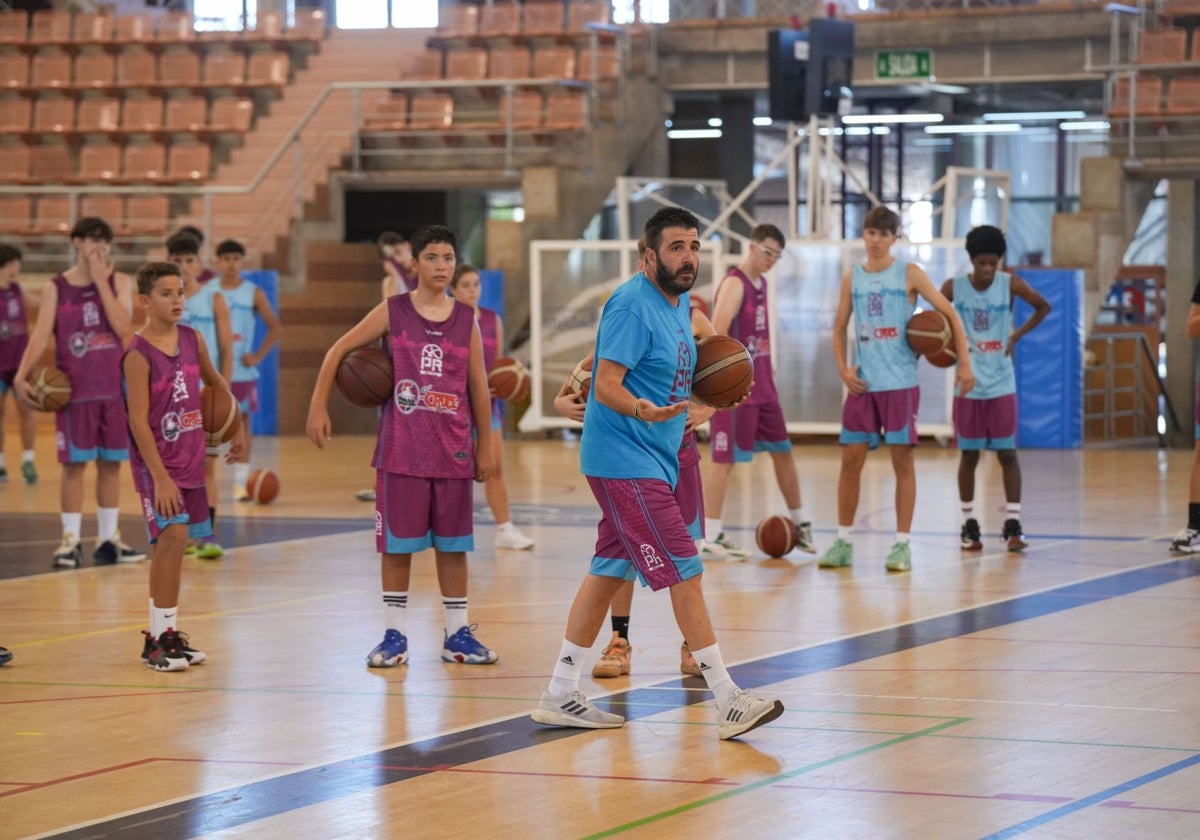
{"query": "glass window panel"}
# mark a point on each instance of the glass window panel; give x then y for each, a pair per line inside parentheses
(362, 14)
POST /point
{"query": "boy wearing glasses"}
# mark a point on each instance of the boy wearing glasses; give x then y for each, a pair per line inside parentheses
(757, 425)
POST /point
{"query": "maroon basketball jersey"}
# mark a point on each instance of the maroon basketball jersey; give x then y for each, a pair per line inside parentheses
(425, 429)
(14, 332)
(408, 279)
(750, 327)
(489, 331)
(87, 349)
(174, 413)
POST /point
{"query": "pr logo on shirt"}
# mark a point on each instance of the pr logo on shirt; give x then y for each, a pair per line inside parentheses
(721, 442)
(431, 360)
(179, 391)
(91, 314)
(652, 559)
(981, 320)
(760, 318)
(378, 524)
(147, 509)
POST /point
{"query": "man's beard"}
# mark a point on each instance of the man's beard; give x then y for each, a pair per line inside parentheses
(671, 283)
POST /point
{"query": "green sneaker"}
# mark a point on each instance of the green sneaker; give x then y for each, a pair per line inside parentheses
(191, 550)
(29, 472)
(899, 559)
(210, 551)
(840, 554)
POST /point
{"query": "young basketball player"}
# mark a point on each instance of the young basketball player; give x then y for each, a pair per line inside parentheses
(987, 417)
(399, 270)
(14, 336)
(206, 311)
(641, 387)
(466, 287)
(740, 310)
(424, 457)
(204, 274)
(88, 309)
(1187, 541)
(162, 372)
(245, 300)
(882, 380)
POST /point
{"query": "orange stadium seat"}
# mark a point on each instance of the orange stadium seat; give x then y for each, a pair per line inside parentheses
(53, 115)
(565, 110)
(606, 63)
(582, 12)
(14, 27)
(15, 115)
(1162, 46)
(431, 111)
(14, 163)
(50, 27)
(554, 63)
(1195, 46)
(526, 109)
(99, 162)
(142, 114)
(1183, 95)
(186, 113)
(52, 215)
(94, 70)
(175, 28)
(134, 29)
(14, 70)
(137, 68)
(233, 115)
(268, 69)
(500, 20)
(309, 26)
(179, 68)
(543, 17)
(509, 63)
(188, 162)
(460, 20)
(388, 114)
(144, 162)
(1147, 101)
(106, 206)
(50, 164)
(466, 63)
(98, 115)
(50, 70)
(224, 68)
(92, 28)
(146, 215)
(268, 26)
(15, 213)
(422, 66)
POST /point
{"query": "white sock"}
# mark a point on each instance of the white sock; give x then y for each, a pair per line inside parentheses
(567, 670)
(163, 619)
(503, 527)
(71, 523)
(27, 456)
(902, 537)
(395, 609)
(455, 610)
(712, 668)
(846, 533)
(241, 474)
(797, 515)
(968, 510)
(106, 523)
(1013, 509)
(712, 528)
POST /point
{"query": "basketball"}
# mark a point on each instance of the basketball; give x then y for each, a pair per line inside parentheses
(365, 377)
(724, 371)
(929, 332)
(52, 388)
(581, 378)
(509, 380)
(263, 486)
(947, 358)
(776, 535)
(699, 303)
(220, 415)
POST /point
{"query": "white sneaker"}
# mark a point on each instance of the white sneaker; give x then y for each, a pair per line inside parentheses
(511, 537)
(574, 710)
(69, 554)
(1186, 541)
(722, 549)
(746, 712)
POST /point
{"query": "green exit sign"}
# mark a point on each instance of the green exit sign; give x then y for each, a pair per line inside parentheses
(903, 64)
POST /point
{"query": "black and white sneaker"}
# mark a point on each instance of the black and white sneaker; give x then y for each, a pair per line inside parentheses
(1186, 541)
(69, 554)
(115, 551)
(1014, 538)
(971, 539)
(159, 658)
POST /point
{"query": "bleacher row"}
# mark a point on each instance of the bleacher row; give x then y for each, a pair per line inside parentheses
(1162, 92)
(74, 30)
(138, 68)
(51, 215)
(531, 19)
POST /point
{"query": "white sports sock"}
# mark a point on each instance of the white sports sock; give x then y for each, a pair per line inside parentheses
(797, 515)
(712, 528)
(395, 610)
(27, 456)
(241, 473)
(106, 523)
(567, 670)
(163, 619)
(71, 523)
(846, 533)
(902, 537)
(455, 610)
(712, 668)
(1013, 509)
(968, 510)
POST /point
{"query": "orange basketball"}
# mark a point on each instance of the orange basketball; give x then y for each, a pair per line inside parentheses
(51, 388)
(947, 358)
(509, 380)
(776, 535)
(724, 371)
(221, 416)
(263, 486)
(366, 377)
(581, 378)
(928, 332)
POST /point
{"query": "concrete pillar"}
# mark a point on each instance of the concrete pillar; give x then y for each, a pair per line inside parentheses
(1183, 263)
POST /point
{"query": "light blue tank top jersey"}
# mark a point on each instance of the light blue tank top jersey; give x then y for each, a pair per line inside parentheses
(881, 312)
(241, 319)
(198, 314)
(987, 318)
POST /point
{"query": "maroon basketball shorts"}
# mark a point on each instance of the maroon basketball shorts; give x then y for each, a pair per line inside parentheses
(887, 415)
(413, 513)
(92, 431)
(738, 434)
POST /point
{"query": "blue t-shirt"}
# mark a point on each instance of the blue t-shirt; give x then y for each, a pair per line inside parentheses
(987, 318)
(642, 331)
(198, 313)
(242, 321)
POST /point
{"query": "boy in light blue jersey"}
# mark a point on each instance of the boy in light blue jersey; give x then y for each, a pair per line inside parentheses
(635, 417)
(987, 417)
(882, 380)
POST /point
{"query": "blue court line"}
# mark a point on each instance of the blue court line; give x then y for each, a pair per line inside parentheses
(1094, 799)
(261, 800)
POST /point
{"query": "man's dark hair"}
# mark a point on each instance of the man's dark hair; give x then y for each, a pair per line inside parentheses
(151, 272)
(92, 227)
(986, 239)
(882, 218)
(767, 232)
(231, 246)
(8, 253)
(668, 217)
(183, 244)
(433, 235)
(194, 231)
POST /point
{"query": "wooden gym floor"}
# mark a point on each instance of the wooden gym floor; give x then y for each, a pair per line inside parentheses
(1050, 694)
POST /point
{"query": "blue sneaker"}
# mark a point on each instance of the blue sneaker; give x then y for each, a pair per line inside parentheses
(465, 648)
(389, 653)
